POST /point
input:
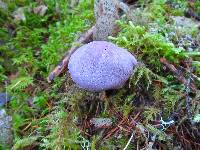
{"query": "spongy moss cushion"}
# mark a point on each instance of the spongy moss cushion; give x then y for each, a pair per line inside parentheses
(101, 65)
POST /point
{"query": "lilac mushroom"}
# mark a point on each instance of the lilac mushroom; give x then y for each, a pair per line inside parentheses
(101, 65)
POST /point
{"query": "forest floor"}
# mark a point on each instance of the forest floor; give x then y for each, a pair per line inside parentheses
(158, 108)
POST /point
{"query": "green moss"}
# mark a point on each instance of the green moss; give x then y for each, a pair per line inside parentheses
(48, 116)
(34, 48)
(149, 47)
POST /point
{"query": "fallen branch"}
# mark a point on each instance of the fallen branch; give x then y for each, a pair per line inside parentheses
(63, 63)
(187, 97)
(177, 73)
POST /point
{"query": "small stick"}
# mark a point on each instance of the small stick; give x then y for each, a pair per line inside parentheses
(187, 97)
(129, 141)
(179, 76)
(192, 75)
(63, 63)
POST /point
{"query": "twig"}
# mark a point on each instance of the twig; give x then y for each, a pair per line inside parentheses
(114, 130)
(63, 63)
(192, 75)
(179, 76)
(129, 141)
(187, 98)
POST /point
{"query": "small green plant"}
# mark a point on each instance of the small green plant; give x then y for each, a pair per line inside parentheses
(151, 113)
(63, 135)
(160, 134)
(145, 75)
(20, 84)
(146, 45)
(25, 142)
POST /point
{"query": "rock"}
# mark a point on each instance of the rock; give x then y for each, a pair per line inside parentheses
(3, 5)
(185, 22)
(40, 10)
(101, 65)
(101, 122)
(6, 136)
(106, 13)
(4, 98)
(19, 14)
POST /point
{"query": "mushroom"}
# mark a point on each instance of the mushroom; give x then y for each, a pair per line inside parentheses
(100, 65)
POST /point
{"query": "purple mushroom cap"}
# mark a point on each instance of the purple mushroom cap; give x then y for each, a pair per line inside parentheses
(101, 65)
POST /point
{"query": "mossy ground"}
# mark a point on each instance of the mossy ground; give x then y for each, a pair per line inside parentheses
(57, 116)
